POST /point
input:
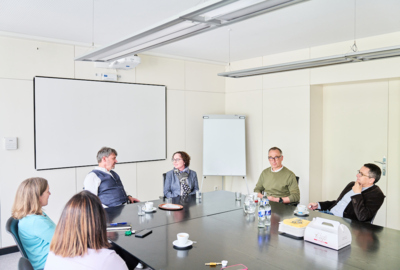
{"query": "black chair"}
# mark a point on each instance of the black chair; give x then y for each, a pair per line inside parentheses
(164, 175)
(12, 228)
(295, 203)
(24, 264)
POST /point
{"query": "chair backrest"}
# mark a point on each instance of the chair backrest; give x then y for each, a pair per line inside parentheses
(24, 264)
(164, 175)
(12, 228)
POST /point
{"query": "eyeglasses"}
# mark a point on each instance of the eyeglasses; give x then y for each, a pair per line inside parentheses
(276, 158)
(360, 173)
(176, 160)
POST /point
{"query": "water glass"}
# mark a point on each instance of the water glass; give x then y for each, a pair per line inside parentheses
(249, 205)
(198, 194)
(168, 200)
(238, 196)
(140, 210)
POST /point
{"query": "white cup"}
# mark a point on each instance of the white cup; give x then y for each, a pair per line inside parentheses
(182, 238)
(301, 208)
(149, 206)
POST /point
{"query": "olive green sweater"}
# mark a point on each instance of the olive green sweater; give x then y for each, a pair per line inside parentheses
(279, 184)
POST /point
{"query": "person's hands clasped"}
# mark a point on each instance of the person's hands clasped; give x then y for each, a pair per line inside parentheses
(273, 199)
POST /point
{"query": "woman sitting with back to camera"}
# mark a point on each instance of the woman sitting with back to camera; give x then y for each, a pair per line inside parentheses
(35, 228)
(181, 181)
(80, 240)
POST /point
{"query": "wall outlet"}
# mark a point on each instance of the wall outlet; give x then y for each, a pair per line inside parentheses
(215, 188)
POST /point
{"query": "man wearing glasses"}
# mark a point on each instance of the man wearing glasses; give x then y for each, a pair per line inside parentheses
(359, 200)
(278, 181)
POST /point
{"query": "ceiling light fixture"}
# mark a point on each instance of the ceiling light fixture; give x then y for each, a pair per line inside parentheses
(202, 18)
(369, 55)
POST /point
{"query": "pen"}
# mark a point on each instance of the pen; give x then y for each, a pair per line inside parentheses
(118, 223)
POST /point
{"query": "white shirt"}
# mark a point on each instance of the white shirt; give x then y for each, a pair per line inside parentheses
(278, 170)
(103, 259)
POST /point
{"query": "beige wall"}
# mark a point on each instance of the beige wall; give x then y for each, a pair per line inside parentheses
(278, 107)
(287, 110)
(193, 89)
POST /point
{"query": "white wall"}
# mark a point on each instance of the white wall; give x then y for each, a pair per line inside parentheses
(279, 108)
(193, 89)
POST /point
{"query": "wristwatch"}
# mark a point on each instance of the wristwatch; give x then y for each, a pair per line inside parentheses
(280, 200)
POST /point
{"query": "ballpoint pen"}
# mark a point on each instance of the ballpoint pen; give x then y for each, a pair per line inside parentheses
(213, 263)
(118, 223)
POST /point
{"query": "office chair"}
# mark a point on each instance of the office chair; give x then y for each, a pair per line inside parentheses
(295, 203)
(24, 264)
(12, 228)
(164, 175)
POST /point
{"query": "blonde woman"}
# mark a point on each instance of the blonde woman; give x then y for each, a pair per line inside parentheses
(80, 241)
(35, 228)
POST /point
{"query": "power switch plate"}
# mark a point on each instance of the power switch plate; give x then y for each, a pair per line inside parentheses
(10, 143)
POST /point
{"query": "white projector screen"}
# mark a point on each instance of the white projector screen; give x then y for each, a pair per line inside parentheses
(75, 118)
(224, 145)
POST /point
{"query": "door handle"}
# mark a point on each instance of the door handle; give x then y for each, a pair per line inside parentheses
(383, 162)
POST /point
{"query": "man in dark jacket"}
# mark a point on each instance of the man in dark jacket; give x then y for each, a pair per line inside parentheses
(359, 200)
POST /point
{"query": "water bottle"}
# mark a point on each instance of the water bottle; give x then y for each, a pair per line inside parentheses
(261, 215)
(265, 196)
(267, 208)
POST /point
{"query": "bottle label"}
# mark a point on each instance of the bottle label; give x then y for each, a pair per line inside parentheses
(260, 213)
(268, 213)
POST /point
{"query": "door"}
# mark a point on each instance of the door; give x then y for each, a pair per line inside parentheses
(355, 132)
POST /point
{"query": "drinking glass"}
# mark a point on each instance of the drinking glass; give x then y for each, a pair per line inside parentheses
(249, 205)
(140, 210)
(238, 196)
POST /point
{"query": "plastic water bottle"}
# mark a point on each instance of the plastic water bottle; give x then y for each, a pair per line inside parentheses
(267, 208)
(261, 215)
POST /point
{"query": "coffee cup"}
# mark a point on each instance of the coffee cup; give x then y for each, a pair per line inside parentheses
(182, 238)
(149, 206)
(301, 209)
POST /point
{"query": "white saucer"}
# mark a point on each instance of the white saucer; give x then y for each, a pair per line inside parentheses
(151, 210)
(188, 243)
(305, 213)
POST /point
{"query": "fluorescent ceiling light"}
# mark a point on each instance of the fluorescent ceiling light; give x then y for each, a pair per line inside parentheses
(317, 62)
(202, 18)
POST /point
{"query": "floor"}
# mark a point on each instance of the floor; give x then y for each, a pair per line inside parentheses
(10, 262)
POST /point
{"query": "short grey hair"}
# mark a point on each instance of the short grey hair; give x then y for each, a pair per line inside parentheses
(275, 148)
(105, 152)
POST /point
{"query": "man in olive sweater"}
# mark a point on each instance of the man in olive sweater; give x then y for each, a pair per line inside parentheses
(278, 181)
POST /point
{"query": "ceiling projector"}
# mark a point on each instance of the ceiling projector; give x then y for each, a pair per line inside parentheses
(124, 63)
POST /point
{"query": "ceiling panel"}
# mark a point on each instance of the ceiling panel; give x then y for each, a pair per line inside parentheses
(311, 23)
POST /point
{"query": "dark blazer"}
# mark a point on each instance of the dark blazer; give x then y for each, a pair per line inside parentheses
(362, 207)
(172, 187)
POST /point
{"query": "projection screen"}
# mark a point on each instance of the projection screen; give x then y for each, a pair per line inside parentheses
(74, 118)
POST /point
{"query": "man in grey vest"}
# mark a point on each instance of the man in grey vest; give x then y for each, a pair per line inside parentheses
(105, 183)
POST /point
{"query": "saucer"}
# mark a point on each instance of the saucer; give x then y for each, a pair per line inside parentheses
(188, 244)
(305, 213)
(149, 211)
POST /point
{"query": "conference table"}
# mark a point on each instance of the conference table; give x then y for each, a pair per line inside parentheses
(223, 231)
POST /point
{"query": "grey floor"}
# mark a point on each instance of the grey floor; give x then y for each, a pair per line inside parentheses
(10, 262)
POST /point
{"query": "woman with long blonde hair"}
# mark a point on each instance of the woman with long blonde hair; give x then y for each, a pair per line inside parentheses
(35, 228)
(80, 240)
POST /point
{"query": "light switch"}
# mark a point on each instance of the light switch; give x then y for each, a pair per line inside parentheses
(10, 143)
